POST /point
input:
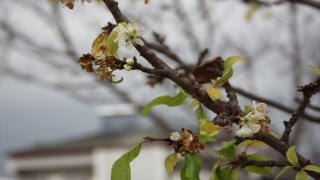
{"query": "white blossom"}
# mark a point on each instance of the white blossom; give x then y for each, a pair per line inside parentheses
(129, 34)
(248, 129)
(259, 111)
(176, 136)
(250, 124)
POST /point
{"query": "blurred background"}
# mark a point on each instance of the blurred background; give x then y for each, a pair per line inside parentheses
(59, 122)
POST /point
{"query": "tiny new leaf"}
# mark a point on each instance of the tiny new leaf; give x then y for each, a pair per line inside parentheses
(302, 175)
(191, 167)
(292, 155)
(228, 151)
(315, 69)
(258, 170)
(285, 169)
(208, 130)
(312, 168)
(247, 109)
(213, 93)
(166, 100)
(121, 168)
(170, 162)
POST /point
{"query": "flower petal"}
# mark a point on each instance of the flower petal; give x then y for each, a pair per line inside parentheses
(129, 45)
(139, 41)
(255, 128)
(175, 136)
(256, 117)
(244, 131)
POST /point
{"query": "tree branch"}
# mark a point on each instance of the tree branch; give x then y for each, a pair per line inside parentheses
(308, 91)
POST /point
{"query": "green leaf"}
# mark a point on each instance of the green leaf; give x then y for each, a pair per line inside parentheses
(312, 168)
(315, 69)
(177, 100)
(121, 168)
(166, 100)
(204, 138)
(111, 45)
(194, 104)
(156, 101)
(292, 155)
(228, 151)
(208, 130)
(191, 167)
(302, 175)
(258, 170)
(214, 175)
(222, 174)
(200, 114)
(247, 109)
(228, 71)
(227, 174)
(184, 92)
(283, 171)
(213, 93)
(170, 162)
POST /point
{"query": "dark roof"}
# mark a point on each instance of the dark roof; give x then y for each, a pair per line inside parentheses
(86, 144)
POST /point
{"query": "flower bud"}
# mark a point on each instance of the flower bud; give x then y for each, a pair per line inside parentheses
(127, 67)
(130, 61)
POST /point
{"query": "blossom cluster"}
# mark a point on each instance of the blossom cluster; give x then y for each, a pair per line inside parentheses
(254, 121)
(128, 34)
(186, 142)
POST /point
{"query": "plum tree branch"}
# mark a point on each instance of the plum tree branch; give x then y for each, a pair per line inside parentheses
(226, 111)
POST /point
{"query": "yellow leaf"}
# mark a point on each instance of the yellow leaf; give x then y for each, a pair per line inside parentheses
(208, 128)
(316, 69)
(170, 162)
(252, 8)
(274, 135)
(194, 104)
(213, 93)
(252, 143)
(146, 1)
(233, 59)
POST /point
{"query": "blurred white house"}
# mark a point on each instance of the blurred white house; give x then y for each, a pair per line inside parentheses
(92, 157)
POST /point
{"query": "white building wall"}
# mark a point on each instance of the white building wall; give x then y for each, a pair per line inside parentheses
(148, 165)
